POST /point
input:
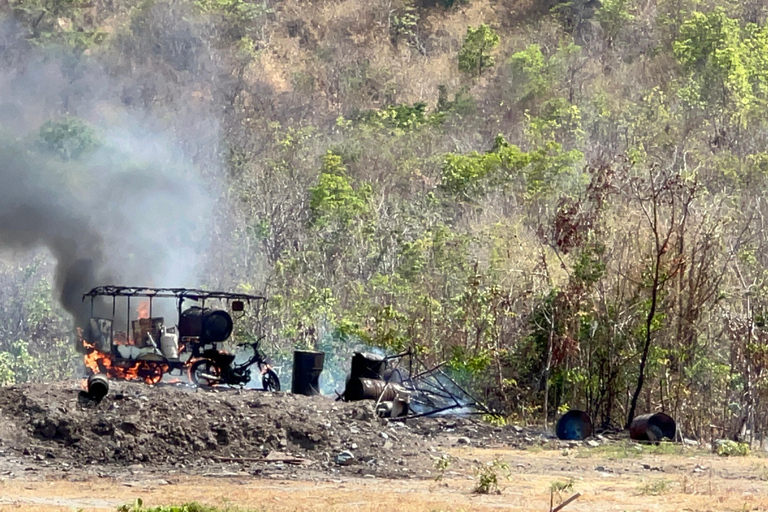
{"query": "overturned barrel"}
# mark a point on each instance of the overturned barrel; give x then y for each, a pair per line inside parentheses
(574, 426)
(367, 366)
(307, 367)
(372, 389)
(210, 325)
(652, 427)
(98, 386)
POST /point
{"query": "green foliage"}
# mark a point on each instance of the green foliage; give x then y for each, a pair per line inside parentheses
(497, 420)
(404, 23)
(655, 488)
(462, 103)
(728, 448)
(334, 197)
(558, 486)
(488, 477)
(467, 363)
(400, 117)
(536, 76)
(475, 54)
(471, 176)
(465, 176)
(59, 23)
(138, 506)
(69, 138)
(590, 266)
(614, 15)
(558, 120)
(725, 64)
(442, 464)
(531, 68)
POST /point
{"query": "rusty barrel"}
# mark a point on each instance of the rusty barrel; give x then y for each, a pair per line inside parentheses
(574, 426)
(98, 386)
(307, 367)
(652, 427)
(371, 389)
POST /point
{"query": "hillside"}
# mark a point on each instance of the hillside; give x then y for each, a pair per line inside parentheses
(563, 200)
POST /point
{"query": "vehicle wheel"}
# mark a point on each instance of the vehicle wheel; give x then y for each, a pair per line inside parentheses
(201, 371)
(270, 381)
(151, 372)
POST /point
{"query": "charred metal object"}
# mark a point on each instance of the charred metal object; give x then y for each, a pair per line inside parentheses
(404, 387)
(98, 386)
(178, 293)
(206, 324)
(307, 367)
(149, 347)
(372, 389)
(367, 366)
(216, 367)
(574, 426)
(653, 427)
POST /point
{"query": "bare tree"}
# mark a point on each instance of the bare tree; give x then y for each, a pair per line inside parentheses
(665, 200)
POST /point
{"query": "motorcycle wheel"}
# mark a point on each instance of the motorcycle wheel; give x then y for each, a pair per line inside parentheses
(199, 369)
(270, 381)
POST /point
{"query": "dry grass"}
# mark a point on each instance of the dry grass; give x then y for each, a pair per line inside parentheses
(733, 484)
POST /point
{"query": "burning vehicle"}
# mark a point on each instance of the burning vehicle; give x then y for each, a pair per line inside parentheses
(151, 346)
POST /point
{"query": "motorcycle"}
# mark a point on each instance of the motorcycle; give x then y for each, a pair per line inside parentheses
(216, 367)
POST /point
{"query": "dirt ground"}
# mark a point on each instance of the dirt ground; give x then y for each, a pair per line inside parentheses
(669, 482)
(169, 445)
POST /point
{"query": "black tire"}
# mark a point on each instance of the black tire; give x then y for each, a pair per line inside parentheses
(270, 380)
(200, 367)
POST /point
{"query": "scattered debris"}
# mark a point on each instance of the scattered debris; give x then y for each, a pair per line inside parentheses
(406, 388)
(565, 503)
(345, 458)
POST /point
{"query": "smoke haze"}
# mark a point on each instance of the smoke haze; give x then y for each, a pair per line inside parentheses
(112, 197)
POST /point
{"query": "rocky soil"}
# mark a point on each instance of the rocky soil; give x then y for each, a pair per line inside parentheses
(174, 426)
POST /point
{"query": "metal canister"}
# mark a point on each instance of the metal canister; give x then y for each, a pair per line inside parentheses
(98, 386)
(653, 427)
(574, 425)
(371, 389)
(307, 367)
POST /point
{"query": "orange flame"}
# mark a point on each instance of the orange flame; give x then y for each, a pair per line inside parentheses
(143, 309)
(150, 372)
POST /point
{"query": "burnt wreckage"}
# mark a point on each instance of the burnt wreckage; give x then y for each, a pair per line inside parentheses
(149, 347)
(404, 387)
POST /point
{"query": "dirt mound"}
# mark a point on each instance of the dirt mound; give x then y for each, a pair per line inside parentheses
(179, 426)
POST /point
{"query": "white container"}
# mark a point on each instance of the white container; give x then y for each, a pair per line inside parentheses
(169, 344)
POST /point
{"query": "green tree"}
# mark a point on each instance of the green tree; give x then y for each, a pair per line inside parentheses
(334, 196)
(475, 54)
(68, 137)
(725, 65)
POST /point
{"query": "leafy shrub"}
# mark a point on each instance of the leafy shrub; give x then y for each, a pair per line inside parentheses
(488, 477)
(442, 464)
(475, 54)
(558, 486)
(68, 137)
(728, 448)
(138, 506)
(334, 197)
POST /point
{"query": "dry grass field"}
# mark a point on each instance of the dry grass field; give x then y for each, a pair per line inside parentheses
(610, 478)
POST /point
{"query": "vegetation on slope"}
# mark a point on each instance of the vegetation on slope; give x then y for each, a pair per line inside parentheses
(564, 200)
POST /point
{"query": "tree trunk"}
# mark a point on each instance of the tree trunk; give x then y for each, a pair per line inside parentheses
(550, 342)
(648, 338)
